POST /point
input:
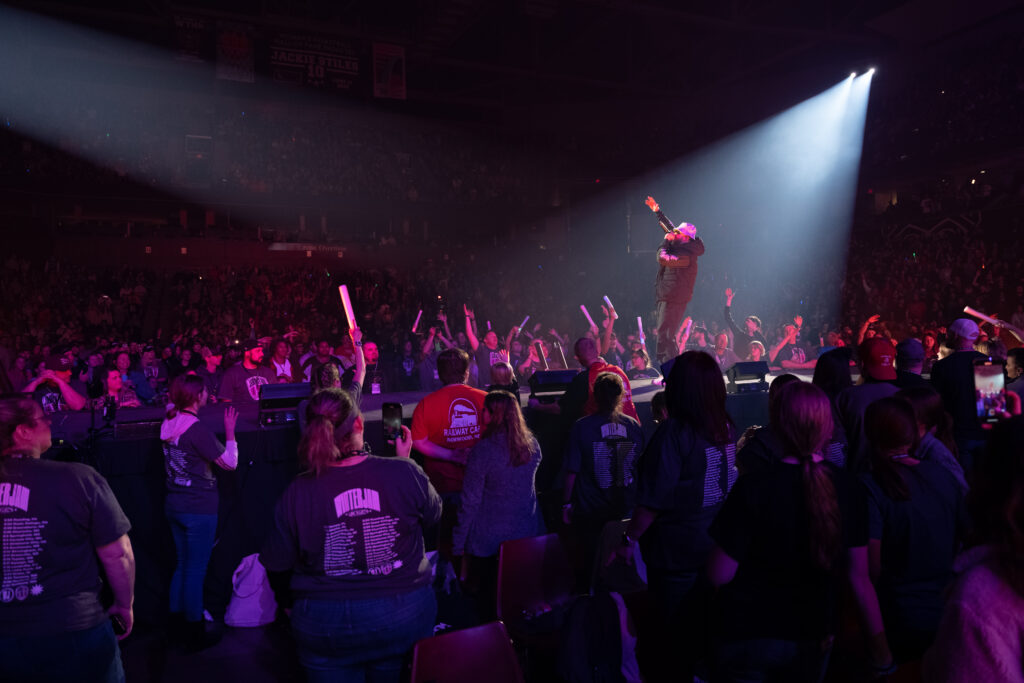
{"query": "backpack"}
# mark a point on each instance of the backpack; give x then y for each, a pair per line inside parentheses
(598, 645)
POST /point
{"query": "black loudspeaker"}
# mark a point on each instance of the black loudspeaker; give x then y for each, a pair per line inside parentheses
(747, 376)
(279, 403)
(548, 385)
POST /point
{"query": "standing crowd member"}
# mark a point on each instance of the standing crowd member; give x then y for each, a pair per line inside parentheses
(499, 496)
(61, 525)
(446, 424)
(953, 378)
(915, 523)
(782, 539)
(600, 480)
(742, 339)
(981, 634)
(242, 381)
(684, 475)
(350, 531)
(190, 452)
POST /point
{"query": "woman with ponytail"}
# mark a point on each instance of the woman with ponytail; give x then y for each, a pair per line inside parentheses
(916, 518)
(350, 531)
(782, 540)
(190, 451)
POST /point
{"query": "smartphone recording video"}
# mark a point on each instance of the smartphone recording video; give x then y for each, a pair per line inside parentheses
(989, 390)
(391, 419)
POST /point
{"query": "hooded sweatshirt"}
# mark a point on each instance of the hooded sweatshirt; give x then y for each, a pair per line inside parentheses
(190, 449)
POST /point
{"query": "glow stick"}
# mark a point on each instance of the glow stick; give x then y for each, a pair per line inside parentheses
(522, 325)
(978, 314)
(611, 308)
(640, 328)
(488, 324)
(347, 303)
(417, 323)
(587, 313)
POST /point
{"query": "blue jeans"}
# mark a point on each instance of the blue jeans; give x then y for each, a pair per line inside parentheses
(768, 659)
(89, 655)
(193, 538)
(357, 641)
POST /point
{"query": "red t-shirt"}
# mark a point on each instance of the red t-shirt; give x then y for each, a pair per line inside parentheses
(599, 366)
(449, 417)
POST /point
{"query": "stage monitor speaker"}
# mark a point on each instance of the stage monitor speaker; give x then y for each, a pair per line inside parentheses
(279, 403)
(747, 376)
(548, 385)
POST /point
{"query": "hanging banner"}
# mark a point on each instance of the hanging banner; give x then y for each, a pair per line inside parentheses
(388, 71)
(320, 62)
(236, 57)
(190, 39)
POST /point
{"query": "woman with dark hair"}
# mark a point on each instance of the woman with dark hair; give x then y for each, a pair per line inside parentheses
(499, 498)
(190, 450)
(115, 391)
(600, 480)
(683, 477)
(60, 523)
(934, 430)
(350, 529)
(832, 375)
(783, 538)
(982, 628)
(640, 366)
(915, 518)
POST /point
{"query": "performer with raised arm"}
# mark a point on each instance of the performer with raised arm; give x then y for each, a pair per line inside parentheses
(677, 275)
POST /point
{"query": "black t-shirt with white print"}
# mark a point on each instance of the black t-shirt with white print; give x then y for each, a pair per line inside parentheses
(355, 531)
(240, 385)
(685, 479)
(53, 516)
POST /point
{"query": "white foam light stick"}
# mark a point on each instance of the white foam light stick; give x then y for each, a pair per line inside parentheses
(488, 325)
(978, 314)
(587, 313)
(522, 325)
(615, 316)
(640, 329)
(347, 303)
(417, 323)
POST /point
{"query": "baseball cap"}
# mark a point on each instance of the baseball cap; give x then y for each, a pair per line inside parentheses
(876, 357)
(910, 351)
(250, 344)
(59, 363)
(964, 328)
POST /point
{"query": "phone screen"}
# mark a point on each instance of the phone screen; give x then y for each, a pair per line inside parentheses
(391, 418)
(989, 390)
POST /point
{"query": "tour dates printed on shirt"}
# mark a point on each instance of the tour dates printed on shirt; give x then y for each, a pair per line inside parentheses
(363, 532)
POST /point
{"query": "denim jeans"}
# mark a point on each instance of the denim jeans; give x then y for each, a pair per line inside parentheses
(767, 659)
(89, 655)
(343, 641)
(193, 538)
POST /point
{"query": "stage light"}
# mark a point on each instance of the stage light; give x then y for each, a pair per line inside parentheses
(853, 74)
(871, 70)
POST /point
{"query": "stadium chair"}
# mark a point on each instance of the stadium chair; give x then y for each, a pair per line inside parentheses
(481, 653)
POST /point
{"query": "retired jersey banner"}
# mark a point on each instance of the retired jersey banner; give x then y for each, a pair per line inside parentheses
(236, 56)
(190, 39)
(388, 71)
(320, 62)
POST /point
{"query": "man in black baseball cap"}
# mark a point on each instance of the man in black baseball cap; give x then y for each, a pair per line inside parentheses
(242, 381)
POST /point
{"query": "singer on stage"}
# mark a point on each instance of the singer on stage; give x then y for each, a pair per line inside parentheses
(673, 288)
